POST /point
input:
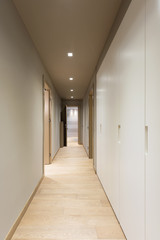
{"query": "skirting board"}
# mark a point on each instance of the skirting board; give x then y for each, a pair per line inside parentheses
(17, 222)
(85, 151)
(55, 155)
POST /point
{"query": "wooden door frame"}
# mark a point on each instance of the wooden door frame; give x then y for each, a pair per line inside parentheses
(79, 124)
(91, 122)
(47, 87)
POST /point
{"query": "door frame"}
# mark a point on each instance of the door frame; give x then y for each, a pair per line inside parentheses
(64, 125)
(78, 121)
(46, 87)
(91, 122)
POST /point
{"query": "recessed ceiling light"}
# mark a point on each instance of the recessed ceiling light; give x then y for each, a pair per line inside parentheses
(70, 54)
(71, 96)
(71, 78)
(71, 90)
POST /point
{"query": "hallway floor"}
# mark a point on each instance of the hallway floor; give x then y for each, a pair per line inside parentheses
(70, 204)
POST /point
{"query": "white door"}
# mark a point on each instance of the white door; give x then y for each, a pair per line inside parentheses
(153, 120)
(132, 117)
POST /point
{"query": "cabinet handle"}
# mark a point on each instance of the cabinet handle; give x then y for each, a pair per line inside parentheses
(100, 128)
(119, 131)
(146, 140)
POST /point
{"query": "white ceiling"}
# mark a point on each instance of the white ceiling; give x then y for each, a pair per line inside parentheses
(60, 26)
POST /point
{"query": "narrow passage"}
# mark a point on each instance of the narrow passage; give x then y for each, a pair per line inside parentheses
(70, 204)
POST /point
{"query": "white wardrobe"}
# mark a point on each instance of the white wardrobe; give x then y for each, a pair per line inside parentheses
(153, 119)
(128, 121)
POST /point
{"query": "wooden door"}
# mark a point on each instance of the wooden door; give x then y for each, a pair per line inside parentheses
(47, 124)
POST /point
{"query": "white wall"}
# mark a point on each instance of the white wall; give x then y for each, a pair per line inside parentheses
(21, 117)
(120, 101)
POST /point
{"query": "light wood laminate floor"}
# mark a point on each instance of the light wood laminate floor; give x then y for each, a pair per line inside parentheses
(70, 204)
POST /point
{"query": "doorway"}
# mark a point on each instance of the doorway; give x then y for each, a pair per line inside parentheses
(47, 125)
(72, 126)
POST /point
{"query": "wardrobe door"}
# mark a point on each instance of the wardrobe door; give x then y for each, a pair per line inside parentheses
(107, 119)
(132, 88)
(99, 89)
(102, 126)
(153, 119)
(114, 124)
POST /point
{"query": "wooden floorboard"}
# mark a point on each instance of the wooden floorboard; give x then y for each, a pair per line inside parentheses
(70, 203)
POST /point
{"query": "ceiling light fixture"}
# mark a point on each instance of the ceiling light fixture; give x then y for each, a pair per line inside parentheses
(71, 78)
(71, 90)
(71, 96)
(70, 54)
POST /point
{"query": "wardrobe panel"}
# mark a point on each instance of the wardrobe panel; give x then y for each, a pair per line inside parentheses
(121, 122)
(103, 167)
(132, 101)
(108, 112)
(153, 119)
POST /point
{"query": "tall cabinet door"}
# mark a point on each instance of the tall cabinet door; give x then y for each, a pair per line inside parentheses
(132, 86)
(99, 107)
(108, 122)
(153, 119)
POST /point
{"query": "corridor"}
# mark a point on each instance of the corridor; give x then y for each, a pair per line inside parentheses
(100, 59)
(70, 203)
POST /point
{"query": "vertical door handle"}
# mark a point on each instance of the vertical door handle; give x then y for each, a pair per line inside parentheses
(100, 128)
(119, 133)
(146, 140)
